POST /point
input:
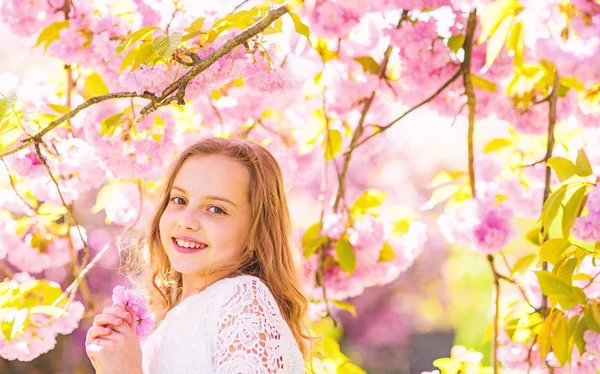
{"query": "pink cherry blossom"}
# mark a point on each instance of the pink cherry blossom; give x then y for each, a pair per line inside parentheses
(145, 319)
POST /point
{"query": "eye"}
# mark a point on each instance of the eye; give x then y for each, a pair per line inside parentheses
(177, 200)
(218, 211)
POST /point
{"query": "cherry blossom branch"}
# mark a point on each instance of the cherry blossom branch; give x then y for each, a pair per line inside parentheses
(427, 100)
(14, 188)
(552, 101)
(178, 87)
(470, 92)
(360, 127)
(496, 322)
(6, 270)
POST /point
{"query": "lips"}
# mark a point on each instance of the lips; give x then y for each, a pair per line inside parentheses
(182, 249)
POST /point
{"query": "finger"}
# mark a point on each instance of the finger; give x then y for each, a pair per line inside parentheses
(133, 317)
(107, 320)
(117, 311)
(96, 332)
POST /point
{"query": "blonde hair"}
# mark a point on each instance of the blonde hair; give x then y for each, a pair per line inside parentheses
(268, 253)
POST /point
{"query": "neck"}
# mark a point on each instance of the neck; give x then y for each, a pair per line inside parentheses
(192, 284)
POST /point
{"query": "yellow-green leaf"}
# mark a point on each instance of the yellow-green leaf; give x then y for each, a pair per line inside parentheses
(105, 195)
(445, 176)
(62, 109)
(551, 207)
(523, 264)
(497, 40)
(482, 83)
(369, 200)
(455, 42)
(552, 249)
(387, 253)
(144, 55)
(516, 43)
(51, 33)
(345, 256)
(368, 63)
(573, 209)
(6, 104)
(345, 306)
(495, 145)
(94, 86)
(333, 144)
(544, 335)
(441, 194)
(563, 167)
(110, 124)
(312, 240)
(165, 45)
(299, 26)
(52, 210)
(560, 339)
(494, 14)
(194, 29)
(140, 34)
(10, 132)
(552, 284)
(582, 164)
(49, 310)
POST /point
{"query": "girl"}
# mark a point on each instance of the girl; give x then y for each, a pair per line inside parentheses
(222, 266)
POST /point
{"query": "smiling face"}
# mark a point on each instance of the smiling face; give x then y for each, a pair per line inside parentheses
(208, 216)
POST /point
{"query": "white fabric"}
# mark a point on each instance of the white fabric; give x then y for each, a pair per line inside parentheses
(233, 326)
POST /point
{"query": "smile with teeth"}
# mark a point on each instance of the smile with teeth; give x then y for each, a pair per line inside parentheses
(186, 244)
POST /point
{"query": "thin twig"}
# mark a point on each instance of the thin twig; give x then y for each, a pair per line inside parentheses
(14, 188)
(427, 100)
(470, 92)
(6, 270)
(238, 6)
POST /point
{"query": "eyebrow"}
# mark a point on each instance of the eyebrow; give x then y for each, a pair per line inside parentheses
(209, 197)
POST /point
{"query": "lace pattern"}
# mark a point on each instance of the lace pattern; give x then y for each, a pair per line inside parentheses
(233, 326)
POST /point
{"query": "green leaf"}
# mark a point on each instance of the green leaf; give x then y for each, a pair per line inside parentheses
(299, 26)
(312, 240)
(344, 306)
(494, 14)
(497, 40)
(333, 144)
(275, 28)
(523, 264)
(577, 335)
(165, 45)
(110, 124)
(10, 132)
(573, 209)
(345, 255)
(368, 63)
(94, 86)
(455, 42)
(551, 207)
(551, 284)
(366, 202)
(131, 39)
(144, 55)
(563, 167)
(582, 164)
(572, 299)
(445, 176)
(6, 104)
(560, 339)
(495, 145)
(552, 249)
(387, 253)
(51, 33)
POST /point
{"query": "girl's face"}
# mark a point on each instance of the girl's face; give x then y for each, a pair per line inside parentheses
(208, 215)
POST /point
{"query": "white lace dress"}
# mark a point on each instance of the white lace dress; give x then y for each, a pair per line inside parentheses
(234, 326)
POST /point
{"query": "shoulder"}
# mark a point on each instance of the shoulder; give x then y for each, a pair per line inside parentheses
(247, 291)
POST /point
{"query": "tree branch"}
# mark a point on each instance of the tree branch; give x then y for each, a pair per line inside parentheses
(180, 84)
(470, 92)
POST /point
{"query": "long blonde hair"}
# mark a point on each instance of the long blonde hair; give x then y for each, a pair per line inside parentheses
(268, 254)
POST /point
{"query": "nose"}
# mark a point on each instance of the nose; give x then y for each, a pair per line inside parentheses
(189, 220)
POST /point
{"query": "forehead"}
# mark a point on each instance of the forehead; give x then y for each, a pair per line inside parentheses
(214, 175)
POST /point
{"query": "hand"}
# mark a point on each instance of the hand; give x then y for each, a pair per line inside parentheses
(112, 343)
